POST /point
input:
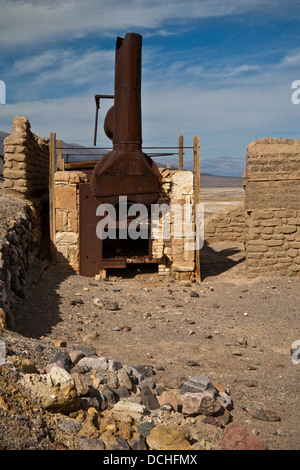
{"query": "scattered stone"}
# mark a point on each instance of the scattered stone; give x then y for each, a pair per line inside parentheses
(112, 306)
(129, 407)
(113, 366)
(143, 369)
(98, 302)
(160, 389)
(95, 363)
(64, 357)
(3, 403)
(138, 444)
(224, 400)
(167, 437)
(169, 379)
(59, 343)
(59, 376)
(214, 421)
(91, 444)
(62, 399)
(126, 328)
(80, 384)
(192, 363)
(194, 404)
(113, 382)
(198, 383)
(122, 392)
(124, 379)
(238, 438)
(121, 444)
(168, 397)
(22, 363)
(108, 394)
(194, 294)
(69, 425)
(236, 352)
(2, 353)
(76, 302)
(145, 428)
(148, 399)
(148, 382)
(262, 414)
(76, 355)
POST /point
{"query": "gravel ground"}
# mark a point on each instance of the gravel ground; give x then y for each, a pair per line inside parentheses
(237, 331)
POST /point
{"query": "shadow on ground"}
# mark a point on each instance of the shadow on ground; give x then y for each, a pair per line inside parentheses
(214, 262)
(38, 311)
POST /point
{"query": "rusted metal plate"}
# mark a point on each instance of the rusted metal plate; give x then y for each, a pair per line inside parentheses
(89, 244)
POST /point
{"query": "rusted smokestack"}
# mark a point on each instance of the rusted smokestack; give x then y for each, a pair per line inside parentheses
(127, 134)
(126, 170)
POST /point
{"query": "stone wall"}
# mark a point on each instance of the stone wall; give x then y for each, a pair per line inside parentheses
(177, 190)
(26, 161)
(67, 218)
(272, 203)
(227, 225)
(19, 246)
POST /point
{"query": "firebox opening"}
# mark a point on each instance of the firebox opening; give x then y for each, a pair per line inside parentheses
(127, 248)
(133, 242)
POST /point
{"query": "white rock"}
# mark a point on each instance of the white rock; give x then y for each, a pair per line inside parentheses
(129, 407)
(57, 376)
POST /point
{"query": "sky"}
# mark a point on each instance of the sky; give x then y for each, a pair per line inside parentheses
(220, 69)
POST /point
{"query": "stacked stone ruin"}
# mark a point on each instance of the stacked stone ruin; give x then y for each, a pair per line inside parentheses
(26, 156)
(272, 208)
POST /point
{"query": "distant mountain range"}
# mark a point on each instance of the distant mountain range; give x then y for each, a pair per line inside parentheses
(219, 166)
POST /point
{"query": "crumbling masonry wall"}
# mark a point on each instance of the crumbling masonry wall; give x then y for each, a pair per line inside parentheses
(227, 225)
(26, 161)
(67, 218)
(177, 190)
(272, 203)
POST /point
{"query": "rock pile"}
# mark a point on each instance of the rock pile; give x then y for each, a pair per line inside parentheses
(101, 404)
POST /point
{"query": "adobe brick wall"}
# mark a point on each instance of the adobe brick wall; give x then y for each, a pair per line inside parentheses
(227, 225)
(272, 203)
(26, 161)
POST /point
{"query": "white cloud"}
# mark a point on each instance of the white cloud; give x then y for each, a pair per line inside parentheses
(292, 59)
(25, 22)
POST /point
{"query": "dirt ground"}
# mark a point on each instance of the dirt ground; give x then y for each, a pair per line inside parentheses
(238, 332)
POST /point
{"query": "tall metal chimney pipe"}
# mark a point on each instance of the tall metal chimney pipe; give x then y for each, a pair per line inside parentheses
(127, 135)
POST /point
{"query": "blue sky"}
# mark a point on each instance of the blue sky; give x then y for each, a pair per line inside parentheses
(220, 69)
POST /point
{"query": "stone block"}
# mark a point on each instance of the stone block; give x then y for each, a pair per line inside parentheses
(66, 197)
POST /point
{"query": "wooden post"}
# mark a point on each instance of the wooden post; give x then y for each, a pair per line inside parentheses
(60, 160)
(180, 157)
(52, 194)
(196, 145)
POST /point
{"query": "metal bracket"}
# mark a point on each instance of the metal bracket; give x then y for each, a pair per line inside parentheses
(97, 99)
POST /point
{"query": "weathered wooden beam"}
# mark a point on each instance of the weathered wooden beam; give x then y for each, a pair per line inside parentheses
(196, 151)
(180, 153)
